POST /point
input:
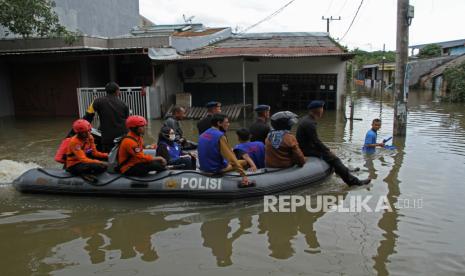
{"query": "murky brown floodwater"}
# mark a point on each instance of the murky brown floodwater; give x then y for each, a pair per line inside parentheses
(43, 234)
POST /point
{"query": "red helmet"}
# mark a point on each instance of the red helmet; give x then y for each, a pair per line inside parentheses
(81, 125)
(135, 121)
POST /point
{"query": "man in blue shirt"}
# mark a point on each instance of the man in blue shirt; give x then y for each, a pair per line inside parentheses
(252, 152)
(371, 136)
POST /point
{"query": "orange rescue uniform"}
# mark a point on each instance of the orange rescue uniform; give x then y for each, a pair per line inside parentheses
(131, 152)
(77, 149)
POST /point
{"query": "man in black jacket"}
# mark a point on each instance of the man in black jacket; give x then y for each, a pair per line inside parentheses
(112, 113)
(205, 123)
(311, 145)
(260, 128)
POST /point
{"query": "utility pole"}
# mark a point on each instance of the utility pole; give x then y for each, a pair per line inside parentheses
(382, 69)
(328, 19)
(404, 18)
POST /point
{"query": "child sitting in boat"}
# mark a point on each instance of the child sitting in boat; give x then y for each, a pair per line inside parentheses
(169, 149)
(252, 152)
(82, 155)
(131, 159)
(281, 147)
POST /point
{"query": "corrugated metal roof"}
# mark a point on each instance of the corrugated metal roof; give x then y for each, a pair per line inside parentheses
(268, 45)
(198, 32)
(444, 44)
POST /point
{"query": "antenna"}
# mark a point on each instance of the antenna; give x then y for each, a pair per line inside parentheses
(188, 19)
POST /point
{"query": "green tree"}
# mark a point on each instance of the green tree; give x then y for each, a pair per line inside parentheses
(455, 78)
(363, 57)
(430, 50)
(31, 18)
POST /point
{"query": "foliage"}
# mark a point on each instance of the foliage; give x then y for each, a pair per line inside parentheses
(455, 78)
(430, 50)
(363, 57)
(32, 18)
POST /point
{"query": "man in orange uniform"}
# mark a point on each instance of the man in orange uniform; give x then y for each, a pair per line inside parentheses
(131, 158)
(81, 154)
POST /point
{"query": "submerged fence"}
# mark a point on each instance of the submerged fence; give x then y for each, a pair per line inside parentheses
(137, 99)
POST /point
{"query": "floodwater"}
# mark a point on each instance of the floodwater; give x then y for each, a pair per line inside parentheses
(423, 180)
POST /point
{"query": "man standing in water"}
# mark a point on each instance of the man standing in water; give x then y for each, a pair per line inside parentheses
(205, 123)
(112, 113)
(311, 145)
(260, 128)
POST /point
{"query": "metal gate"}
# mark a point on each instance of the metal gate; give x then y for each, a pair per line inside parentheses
(136, 98)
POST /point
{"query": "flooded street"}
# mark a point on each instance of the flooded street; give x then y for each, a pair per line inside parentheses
(423, 179)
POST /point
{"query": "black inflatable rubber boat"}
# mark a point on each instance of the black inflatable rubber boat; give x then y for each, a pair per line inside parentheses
(175, 183)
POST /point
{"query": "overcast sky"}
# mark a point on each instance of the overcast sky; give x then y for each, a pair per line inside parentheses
(435, 20)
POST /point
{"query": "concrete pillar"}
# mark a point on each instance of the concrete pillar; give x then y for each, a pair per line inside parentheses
(84, 81)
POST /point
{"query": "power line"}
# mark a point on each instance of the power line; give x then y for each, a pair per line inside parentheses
(268, 17)
(330, 5)
(343, 6)
(353, 19)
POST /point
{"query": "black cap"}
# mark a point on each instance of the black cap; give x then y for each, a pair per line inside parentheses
(315, 104)
(262, 107)
(212, 104)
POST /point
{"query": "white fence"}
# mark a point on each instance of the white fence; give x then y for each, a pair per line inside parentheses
(137, 99)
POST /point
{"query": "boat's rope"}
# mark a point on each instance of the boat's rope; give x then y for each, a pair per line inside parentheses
(171, 174)
(71, 176)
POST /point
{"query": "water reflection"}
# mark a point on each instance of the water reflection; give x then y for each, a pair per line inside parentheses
(389, 220)
(217, 236)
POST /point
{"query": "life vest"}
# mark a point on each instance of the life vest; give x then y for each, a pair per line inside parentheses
(60, 155)
(210, 158)
(256, 151)
(174, 150)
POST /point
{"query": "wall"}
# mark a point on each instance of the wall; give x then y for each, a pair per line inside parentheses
(6, 100)
(45, 88)
(457, 51)
(99, 17)
(230, 70)
(167, 85)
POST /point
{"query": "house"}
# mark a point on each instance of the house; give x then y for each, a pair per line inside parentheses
(284, 70)
(450, 48)
(50, 77)
(435, 79)
(39, 76)
(370, 75)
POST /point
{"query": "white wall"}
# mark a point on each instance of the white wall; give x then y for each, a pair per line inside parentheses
(6, 99)
(230, 70)
(167, 85)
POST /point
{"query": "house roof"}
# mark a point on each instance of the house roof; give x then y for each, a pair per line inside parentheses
(81, 43)
(444, 44)
(266, 45)
(440, 69)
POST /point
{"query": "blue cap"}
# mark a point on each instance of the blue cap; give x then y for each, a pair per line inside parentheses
(262, 107)
(212, 104)
(315, 104)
